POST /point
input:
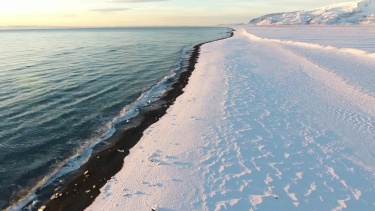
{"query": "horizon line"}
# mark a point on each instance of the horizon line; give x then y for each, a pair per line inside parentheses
(99, 27)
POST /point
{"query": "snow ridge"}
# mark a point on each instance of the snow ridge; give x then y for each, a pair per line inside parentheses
(357, 12)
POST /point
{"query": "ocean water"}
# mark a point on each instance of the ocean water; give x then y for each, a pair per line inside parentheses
(63, 90)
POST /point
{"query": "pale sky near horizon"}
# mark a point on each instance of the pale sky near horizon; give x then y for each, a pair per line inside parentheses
(144, 12)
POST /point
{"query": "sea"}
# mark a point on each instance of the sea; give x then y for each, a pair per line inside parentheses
(63, 91)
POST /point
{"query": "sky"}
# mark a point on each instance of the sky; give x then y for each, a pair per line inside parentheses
(108, 13)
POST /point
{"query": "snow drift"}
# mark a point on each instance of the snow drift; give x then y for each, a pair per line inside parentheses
(357, 12)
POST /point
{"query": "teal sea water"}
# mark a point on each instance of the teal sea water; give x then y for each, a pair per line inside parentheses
(63, 90)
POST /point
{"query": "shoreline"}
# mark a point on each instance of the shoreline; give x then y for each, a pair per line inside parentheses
(83, 186)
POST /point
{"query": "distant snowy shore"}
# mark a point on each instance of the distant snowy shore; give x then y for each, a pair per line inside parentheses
(357, 12)
(272, 119)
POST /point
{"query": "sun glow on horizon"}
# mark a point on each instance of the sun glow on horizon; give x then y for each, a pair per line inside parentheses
(133, 13)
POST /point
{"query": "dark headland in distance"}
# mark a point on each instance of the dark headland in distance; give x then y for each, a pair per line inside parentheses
(81, 188)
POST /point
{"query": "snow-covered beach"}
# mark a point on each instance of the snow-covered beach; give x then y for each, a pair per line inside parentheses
(269, 120)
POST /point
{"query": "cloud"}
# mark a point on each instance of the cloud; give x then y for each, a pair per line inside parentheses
(109, 10)
(133, 1)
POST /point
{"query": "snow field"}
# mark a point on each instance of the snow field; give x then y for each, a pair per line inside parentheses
(263, 125)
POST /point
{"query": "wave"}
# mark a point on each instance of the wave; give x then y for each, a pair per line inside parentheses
(84, 152)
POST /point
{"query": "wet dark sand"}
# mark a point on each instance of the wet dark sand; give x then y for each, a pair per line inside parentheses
(84, 187)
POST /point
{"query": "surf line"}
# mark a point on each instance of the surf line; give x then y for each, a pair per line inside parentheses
(82, 189)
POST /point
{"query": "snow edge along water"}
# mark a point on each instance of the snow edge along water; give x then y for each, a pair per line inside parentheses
(82, 155)
(150, 96)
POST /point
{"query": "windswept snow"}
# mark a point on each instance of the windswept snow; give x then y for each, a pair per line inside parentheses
(357, 12)
(270, 120)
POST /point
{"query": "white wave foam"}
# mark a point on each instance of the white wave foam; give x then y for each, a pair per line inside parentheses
(130, 111)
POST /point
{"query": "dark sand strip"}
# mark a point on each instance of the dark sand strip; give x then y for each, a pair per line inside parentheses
(82, 190)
